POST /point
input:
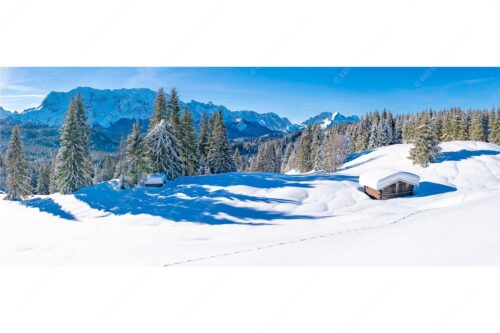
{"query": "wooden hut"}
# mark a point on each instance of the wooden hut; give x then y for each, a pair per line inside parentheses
(383, 184)
(155, 180)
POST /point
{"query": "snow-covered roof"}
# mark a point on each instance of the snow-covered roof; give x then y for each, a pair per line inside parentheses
(380, 178)
(155, 178)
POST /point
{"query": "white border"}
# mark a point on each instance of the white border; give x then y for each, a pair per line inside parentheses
(253, 33)
(258, 33)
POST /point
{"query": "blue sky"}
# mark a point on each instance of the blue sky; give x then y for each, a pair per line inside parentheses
(296, 93)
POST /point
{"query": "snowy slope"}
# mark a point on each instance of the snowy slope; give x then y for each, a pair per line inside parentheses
(271, 219)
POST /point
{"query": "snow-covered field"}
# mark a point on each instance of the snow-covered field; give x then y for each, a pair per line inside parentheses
(271, 219)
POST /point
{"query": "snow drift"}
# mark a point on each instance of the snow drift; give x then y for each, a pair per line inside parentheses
(271, 219)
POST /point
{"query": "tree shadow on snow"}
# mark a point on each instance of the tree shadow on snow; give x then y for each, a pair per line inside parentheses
(464, 154)
(203, 199)
(48, 205)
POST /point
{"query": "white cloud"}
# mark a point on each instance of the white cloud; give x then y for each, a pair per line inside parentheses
(14, 95)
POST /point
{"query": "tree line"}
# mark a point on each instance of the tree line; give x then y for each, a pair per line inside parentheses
(170, 146)
(318, 149)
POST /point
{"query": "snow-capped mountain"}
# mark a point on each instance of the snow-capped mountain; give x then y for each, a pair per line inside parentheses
(4, 113)
(328, 119)
(113, 111)
(106, 107)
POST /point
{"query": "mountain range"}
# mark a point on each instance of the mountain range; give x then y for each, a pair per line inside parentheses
(4, 113)
(113, 111)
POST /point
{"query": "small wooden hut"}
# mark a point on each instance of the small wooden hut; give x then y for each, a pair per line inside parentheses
(383, 184)
(155, 180)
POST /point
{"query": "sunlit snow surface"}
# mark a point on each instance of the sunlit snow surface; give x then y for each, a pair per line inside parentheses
(271, 219)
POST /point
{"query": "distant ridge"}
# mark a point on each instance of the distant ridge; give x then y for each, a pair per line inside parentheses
(112, 108)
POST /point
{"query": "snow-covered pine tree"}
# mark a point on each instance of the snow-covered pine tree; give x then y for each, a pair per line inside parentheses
(85, 136)
(328, 161)
(204, 136)
(447, 131)
(258, 162)
(409, 128)
(43, 179)
(460, 122)
(82, 120)
(387, 129)
(477, 130)
(73, 168)
(105, 171)
(238, 160)
(374, 136)
(162, 150)
(159, 109)
(18, 182)
(303, 159)
(437, 124)
(494, 128)
(335, 150)
(398, 130)
(315, 145)
(363, 137)
(189, 145)
(268, 159)
(173, 113)
(219, 159)
(288, 158)
(136, 158)
(53, 176)
(121, 166)
(384, 136)
(426, 146)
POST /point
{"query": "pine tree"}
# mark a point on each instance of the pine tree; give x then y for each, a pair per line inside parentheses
(238, 160)
(85, 136)
(374, 136)
(461, 123)
(437, 124)
(303, 159)
(268, 159)
(288, 158)
(219, 158)
(73, 167)
(477, 130)
(136, 158)
(335, 150)
(189, 154)
(409, 128)
(258, 161)
(363, 137)
(105, 171)
(385, 134)
(494, 131)
(121, 166)
(82, 120)
(53, 176)
(159, 109)
(18, 182)
(162, 150)
(398, 130)
(203, 144)
(426, 147)
(315, 145)
(447, 132)
(173, 113)
(43, 179)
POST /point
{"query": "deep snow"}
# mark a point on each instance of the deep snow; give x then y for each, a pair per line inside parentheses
(271, 219)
